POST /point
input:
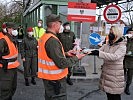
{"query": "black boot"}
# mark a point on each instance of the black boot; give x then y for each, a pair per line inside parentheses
(127, 90)
(69, 81)
(10, 98)
(33, 81)
(27, 82)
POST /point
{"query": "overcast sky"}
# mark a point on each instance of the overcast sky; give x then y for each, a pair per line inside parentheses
(4, 1)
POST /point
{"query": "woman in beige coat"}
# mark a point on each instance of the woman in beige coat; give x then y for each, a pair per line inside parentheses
(112, 76)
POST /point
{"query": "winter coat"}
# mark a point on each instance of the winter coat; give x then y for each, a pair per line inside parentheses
(129, 57)
(112, 76)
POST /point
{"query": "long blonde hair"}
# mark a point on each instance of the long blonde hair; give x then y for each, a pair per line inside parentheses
(117, 32)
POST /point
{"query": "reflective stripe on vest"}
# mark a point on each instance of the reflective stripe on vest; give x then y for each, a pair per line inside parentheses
(12, 54)
(46, 66)
(50, 71)
(46, 62)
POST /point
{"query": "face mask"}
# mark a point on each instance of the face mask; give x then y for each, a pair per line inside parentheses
(4, 30)
(14, 32)
(30, 33)
(111, 36)
(67, 27)
(39, 24)
(61, 29)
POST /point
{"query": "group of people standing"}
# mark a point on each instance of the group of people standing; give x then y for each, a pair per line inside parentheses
(50, 53)
(29, 52)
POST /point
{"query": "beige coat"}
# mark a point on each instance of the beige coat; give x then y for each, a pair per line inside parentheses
(112, 76)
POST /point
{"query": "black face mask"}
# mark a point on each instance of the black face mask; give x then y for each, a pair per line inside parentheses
(111, 36)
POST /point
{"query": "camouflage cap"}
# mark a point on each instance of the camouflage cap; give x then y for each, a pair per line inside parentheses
(11, 25)
(52, 18)
(66, 23)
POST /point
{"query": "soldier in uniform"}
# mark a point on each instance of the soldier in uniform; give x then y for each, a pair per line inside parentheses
(129, 61)
(67, 39)
(8, 62)
(39, 30)
(52, 62)
(29, 56)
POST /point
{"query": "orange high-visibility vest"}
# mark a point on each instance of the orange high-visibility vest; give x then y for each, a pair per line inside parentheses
(13, 54)
(46, 66)
(1, 35)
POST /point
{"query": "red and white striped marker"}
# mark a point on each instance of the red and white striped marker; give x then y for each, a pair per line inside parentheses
(81, 12)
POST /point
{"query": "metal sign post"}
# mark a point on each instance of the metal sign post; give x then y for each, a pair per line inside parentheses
(81, 12)
(94, 65)
(81, 27)
(94, 39)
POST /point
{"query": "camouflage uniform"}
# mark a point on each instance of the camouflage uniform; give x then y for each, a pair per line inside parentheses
(128, 62)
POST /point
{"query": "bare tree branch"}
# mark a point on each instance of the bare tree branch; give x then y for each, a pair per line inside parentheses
(128, 14)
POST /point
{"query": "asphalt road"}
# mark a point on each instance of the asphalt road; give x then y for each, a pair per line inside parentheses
(81, 90)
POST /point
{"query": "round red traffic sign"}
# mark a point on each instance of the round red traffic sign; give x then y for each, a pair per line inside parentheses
(112, 13)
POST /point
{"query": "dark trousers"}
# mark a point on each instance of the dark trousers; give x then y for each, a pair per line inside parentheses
(69, 72)
(113, 96)
(50, 90)
(30, 67)
(8, 83)
(129, 76)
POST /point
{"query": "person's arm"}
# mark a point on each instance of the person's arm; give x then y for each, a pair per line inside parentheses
(74, 37)
(4, 50)
(54, 51)
(23, 49)
(1, 47)
(102, 48)
(120, 52)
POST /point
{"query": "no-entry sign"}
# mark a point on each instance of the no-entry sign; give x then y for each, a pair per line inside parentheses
(82, 12)
(112, 13)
